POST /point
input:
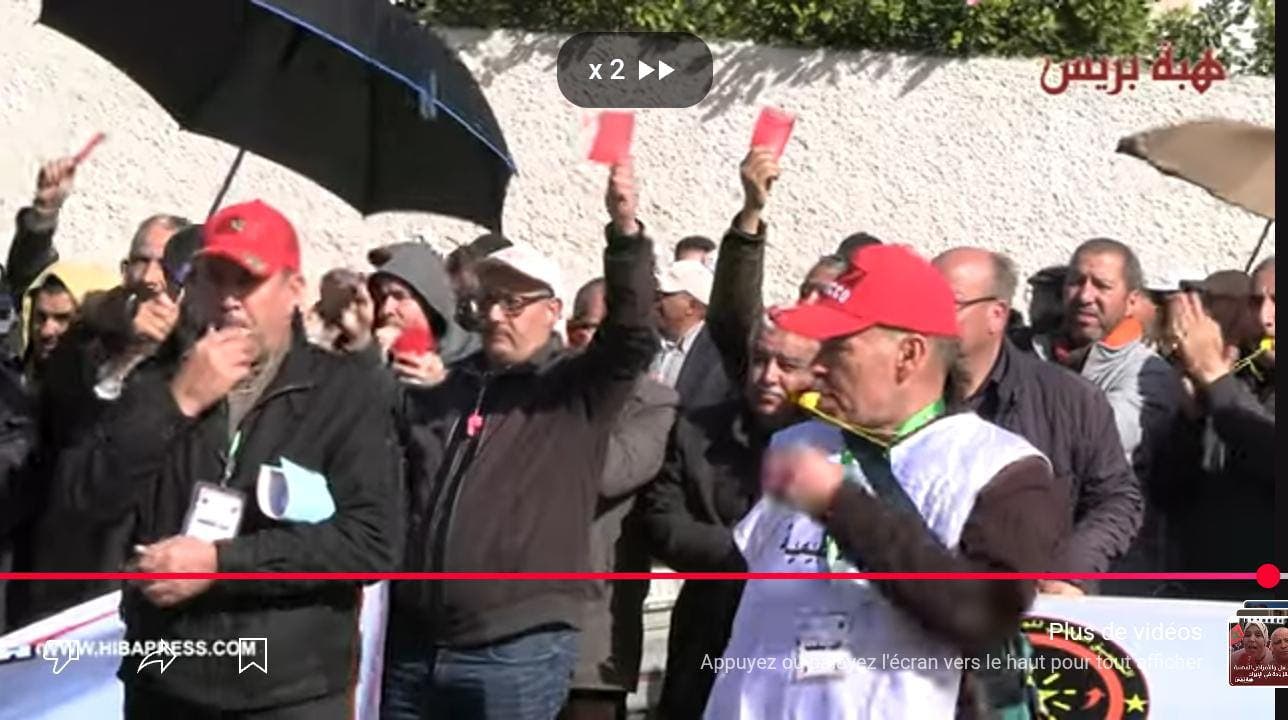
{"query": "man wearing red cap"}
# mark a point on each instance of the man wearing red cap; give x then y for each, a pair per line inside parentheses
(896, 483)
(247, 453)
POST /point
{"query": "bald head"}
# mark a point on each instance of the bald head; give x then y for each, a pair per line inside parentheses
(1279, 646)
(588, 311)
(983, 283)
(982, 272)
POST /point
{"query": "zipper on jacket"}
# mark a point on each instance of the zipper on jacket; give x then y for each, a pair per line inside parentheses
(462, 447)
(227, 453)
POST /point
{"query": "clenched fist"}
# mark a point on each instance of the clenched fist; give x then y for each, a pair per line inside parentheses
(623, 197)
(53, 185)
(419, 369)
(216, 363)
(155, 319)
(759, 171)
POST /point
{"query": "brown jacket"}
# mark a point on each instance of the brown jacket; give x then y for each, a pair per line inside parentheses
(519, 494)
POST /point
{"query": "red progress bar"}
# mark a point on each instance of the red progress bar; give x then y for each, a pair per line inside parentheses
(371, 577)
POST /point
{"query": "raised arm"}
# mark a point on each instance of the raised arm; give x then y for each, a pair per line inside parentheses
(737, 293)
(603, 377)
(32, 249)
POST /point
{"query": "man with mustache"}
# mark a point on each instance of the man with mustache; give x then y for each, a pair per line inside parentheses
(212, 450)
(1061, 414)
(709, 480)
(1102, 340)
(505, 468)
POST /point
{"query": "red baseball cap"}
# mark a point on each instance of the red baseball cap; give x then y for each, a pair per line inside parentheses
(255, 236)
(886, 285)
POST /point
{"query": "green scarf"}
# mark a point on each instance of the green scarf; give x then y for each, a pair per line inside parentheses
(919, 419)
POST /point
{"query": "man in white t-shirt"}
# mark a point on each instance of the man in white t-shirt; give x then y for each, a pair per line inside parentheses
(908, 486)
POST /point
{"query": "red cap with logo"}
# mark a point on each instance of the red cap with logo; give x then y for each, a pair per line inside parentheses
(255, 236)
(886, 285)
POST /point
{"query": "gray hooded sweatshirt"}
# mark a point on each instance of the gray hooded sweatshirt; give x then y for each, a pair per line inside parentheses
(422, 269)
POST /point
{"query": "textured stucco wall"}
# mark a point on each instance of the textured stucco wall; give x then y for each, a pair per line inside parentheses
(925, 151)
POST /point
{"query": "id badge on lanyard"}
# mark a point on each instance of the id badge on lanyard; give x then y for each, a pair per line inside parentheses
(215, 511)
(822, 645)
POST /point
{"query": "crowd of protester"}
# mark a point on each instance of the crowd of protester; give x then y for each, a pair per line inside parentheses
(474, 413)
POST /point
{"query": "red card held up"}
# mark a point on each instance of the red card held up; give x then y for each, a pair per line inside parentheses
(613, 137)
(89, 147)
(415, 340)
(773, 128)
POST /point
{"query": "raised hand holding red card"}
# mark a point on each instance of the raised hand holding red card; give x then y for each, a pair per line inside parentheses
(773, 129)
(613, 137)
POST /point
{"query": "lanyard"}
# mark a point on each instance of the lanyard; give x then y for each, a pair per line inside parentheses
(230, 463)
(919, 419)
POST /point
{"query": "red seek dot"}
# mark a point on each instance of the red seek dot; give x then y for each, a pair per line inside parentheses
(1267, 576)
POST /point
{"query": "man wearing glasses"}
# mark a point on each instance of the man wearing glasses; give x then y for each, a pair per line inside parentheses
(505, 464)
(1063, 415)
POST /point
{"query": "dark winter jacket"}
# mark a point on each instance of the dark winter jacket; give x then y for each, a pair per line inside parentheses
(17, 443)
(1229, 509)
(54, 537)
(144, 457)
(702, 381)
(517, 491)
(710, 480)
(1071, 422)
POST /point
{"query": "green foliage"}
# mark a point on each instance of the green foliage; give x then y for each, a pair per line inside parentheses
(1008, 28)
(1242, 32)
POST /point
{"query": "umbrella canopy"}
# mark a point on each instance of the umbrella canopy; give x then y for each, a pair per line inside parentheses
(1234, 161)
(354, 94)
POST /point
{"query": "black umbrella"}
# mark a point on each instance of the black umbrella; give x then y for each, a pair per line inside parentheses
(351, 93)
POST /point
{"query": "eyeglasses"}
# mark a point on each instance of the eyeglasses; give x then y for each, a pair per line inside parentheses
(963, 304)
(812, 288)
(511, 305)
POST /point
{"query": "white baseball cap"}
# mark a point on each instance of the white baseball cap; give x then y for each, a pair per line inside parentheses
(691, 276)
(527, 261)
(1171, 281)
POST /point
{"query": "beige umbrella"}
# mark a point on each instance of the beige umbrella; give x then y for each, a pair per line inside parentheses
(1232, 160)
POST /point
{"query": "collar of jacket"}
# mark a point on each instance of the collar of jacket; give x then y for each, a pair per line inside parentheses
(1004, 373)
(296, 371)
(747, 431)
(552, 352)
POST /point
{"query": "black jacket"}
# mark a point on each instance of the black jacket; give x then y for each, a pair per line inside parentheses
(519, 493)
(1071, 422)
(54, 537)
(144, 457)
(710, 480)
(702, 381)
(17, 442)
(1228, 509)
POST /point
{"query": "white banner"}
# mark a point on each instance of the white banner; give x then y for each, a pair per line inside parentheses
(86, 687)
(1178, 667)
(1179, 664)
